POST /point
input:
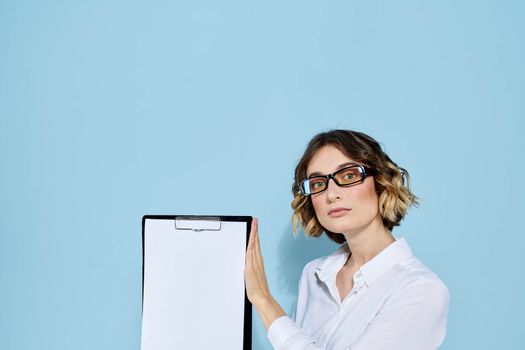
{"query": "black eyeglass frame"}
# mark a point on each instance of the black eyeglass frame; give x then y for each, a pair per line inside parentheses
(363, 171)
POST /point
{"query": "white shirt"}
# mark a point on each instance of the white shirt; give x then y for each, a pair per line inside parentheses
(396, 303)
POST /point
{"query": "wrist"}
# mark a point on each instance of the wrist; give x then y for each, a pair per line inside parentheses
(263, 300)
(268, 309)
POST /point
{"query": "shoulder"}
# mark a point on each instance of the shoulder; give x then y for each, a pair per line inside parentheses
(418, 283)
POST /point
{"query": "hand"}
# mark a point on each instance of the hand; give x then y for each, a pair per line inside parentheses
(256, 284)
(254, 275)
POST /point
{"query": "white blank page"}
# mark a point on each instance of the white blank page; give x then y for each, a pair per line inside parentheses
(193, 287)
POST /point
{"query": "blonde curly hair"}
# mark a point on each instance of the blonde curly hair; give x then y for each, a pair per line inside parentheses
(391, 181)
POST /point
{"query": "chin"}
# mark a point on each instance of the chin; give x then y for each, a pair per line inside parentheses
(343, 226)
(337, 227)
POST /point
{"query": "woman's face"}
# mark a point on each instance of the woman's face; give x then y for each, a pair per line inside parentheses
(342, 209)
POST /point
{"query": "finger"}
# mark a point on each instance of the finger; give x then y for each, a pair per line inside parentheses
(255, 238)
(255, 226)
(251, 236)
(257, 248)
(252, 243)
(248, 260)
(257, 243)
(249, 252)
(257, 254)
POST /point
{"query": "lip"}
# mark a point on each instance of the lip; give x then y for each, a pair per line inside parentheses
(336, 212)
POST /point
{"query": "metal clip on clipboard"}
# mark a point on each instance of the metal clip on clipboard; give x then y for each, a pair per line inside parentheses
(198, 223)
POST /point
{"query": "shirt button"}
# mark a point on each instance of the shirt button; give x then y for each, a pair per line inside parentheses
(358, 275)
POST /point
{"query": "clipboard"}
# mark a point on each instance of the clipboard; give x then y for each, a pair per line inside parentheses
(193, 293)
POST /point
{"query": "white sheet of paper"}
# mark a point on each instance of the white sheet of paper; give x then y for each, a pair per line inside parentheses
(193, 287)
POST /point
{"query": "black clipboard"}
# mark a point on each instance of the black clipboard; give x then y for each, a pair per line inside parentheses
(192, 275)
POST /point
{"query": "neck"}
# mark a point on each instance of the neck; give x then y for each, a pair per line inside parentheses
(366, 243)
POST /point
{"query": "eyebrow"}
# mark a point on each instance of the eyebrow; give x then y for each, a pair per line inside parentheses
(341, 166)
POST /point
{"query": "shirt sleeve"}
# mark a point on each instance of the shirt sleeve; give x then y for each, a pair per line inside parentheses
(414, 319)
(284, 334)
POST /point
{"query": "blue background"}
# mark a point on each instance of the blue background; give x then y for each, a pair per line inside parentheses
(110, 110)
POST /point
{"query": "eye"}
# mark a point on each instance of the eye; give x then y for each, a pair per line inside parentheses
(316, 184)
(348, 176)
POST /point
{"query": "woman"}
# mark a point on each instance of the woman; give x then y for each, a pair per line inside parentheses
(372, 293)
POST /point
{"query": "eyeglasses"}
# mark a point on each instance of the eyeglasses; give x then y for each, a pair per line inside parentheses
(345, 177)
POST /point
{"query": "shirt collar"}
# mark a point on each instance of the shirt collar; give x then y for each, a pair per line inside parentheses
(373, 269)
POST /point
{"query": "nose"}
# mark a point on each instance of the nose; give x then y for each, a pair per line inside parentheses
(333, 192)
